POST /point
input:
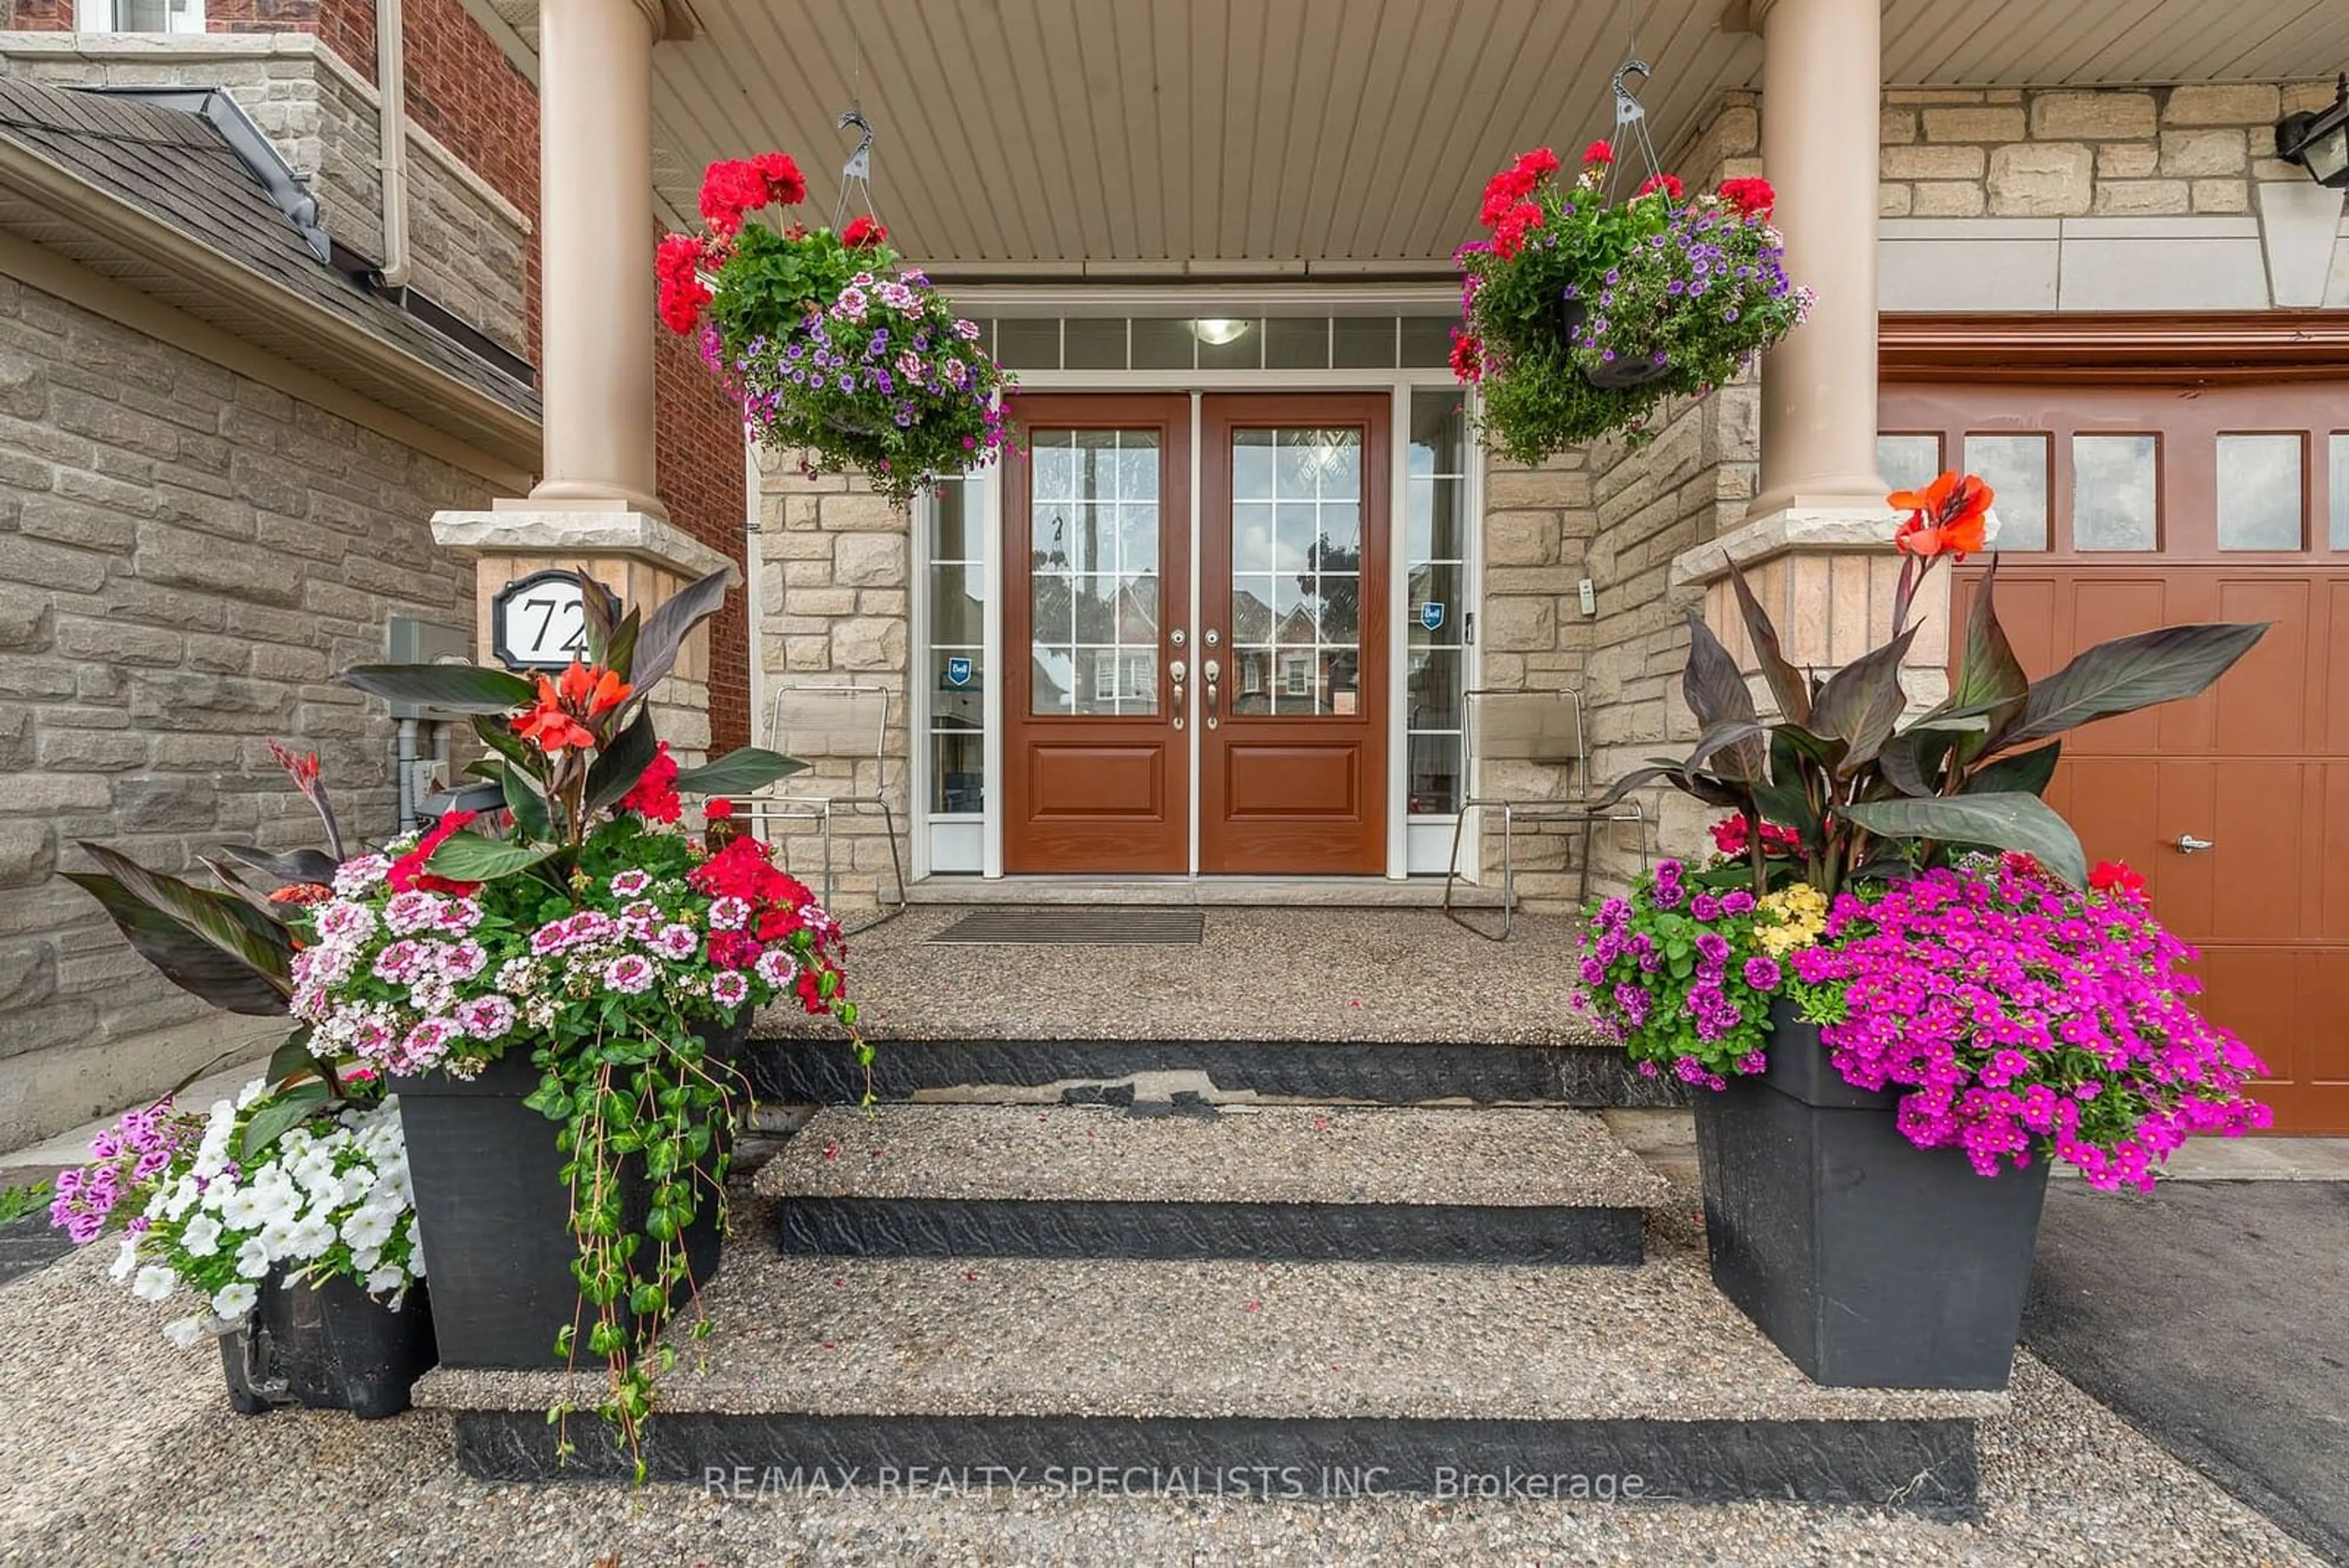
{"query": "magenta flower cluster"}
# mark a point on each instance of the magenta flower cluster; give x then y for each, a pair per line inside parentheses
(125, 1157)
(2016, 1012)
(1663, 978)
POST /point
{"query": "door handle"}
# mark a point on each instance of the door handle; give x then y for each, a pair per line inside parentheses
(2186, 843)
(1177, 671)
(1212, 670)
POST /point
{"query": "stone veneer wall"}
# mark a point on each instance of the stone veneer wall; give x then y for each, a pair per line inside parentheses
(834, 565)
(2121, 152)
(471, 247)
(186, 559)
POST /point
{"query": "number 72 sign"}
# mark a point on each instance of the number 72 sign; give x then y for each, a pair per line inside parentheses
(537, 622)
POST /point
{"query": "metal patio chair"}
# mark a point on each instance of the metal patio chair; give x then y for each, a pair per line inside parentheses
(830, 722)
(1537, 726)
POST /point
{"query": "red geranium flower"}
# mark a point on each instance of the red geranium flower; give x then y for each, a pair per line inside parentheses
(730, 189)
(1754, 198)
(1948, 517)
(1670, 184)
(677, 264)
(1777, 843)
(1541, 160)
(784, 184)
(1467, 355)
(2115, 877)
(1598, 155)
(863, 233)
(654, 794)
(407, 873)
(716, 808)
(1509, 234)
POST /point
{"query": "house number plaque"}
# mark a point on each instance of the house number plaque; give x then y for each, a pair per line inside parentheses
(537, 622)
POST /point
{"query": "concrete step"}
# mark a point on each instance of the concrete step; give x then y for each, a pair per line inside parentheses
(1287, 1183)
(1312, 1379)
(795, 1070)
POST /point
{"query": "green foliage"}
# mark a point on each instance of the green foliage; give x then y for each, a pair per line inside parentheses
(739, 771)
(31, 1197)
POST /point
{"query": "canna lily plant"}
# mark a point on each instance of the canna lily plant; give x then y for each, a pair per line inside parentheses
(1868, 797)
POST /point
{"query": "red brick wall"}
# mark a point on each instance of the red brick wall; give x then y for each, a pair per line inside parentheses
(698, 447)
(461, 91)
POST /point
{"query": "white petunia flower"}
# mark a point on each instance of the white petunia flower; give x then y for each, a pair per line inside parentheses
(235, 1300)
(187, 1333)
(154, 1282)
(308, 1237)
(251, 1092)
(389, 1278)
(126, 1260)
(369, 1227)
(252, 1259)
(201, 1236)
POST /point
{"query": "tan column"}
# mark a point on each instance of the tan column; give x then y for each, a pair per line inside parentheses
(596, 235)
(1821, 76)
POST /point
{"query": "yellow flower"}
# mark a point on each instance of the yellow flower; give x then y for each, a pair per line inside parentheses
(1794, 916)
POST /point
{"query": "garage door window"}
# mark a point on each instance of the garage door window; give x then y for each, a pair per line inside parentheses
(2262, 493)
(2115, 480)
(2340, 476)
(2015, 468)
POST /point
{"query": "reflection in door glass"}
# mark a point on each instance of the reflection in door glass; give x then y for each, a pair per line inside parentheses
(957, 654)
(2015, 468)
(2115, 482)
(2261, 492)
(1907, 461)
(1297, 565)
(2340, 476)
(1093, 571)
(1436, 569)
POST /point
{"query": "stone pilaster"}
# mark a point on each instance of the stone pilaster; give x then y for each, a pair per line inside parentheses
(641, 559)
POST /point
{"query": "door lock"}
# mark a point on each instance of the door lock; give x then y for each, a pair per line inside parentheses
(1212, 639)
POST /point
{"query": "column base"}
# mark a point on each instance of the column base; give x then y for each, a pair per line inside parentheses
(638, 556)
(1826, 578)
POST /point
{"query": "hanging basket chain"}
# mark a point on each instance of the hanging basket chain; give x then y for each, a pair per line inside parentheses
(856, 174)
(1632, 127)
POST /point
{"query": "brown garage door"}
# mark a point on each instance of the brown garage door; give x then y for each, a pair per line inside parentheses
(2131, 507)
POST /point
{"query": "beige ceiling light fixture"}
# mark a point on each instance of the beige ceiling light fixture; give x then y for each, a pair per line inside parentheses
(1219, 330)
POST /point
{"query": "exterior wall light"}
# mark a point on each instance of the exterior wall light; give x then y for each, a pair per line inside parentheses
(1216, 331)
(2318, 140)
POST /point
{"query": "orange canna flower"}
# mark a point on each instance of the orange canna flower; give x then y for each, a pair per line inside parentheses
(1948, 517)
(549, 728)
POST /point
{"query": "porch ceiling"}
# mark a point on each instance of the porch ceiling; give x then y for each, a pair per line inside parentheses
(1263, 136)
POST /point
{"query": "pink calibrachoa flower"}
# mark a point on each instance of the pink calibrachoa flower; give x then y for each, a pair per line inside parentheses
(2008, 1011)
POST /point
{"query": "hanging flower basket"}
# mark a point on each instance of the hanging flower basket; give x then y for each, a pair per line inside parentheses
(828, 346)
(1582, 313)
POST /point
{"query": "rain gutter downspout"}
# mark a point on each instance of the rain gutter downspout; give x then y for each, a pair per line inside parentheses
(391, 125)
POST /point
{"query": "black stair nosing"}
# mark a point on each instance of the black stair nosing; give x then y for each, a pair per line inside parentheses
(1927, 1467)
(821, 1071)
(1177, 1230)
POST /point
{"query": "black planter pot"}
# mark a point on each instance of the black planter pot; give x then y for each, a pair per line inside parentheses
(332, 1347)
(494, 1213)
(1623, 373)
(1869, 1262)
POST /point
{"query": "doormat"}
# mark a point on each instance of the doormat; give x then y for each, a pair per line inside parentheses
(1080, 925)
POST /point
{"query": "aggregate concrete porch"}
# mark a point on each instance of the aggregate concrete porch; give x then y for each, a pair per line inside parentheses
(1411, 1371)
(1382, 1006)
(1291, 1183)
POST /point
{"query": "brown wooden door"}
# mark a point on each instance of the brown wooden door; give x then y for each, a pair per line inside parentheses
(1293, 634)
(1097, 567)
(2122, 509)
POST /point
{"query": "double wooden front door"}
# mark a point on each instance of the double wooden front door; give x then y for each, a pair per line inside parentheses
(1237, 726)
(2126, 508)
